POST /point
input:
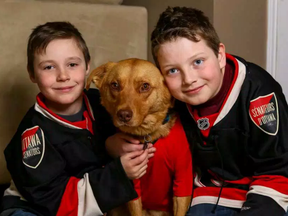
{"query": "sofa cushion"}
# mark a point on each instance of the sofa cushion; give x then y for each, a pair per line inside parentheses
(82, 1)
(91, 1)
(112, 33)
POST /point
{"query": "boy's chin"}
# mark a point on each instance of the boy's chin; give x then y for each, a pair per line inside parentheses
(196, 101)
(66, 100)
(70, 101)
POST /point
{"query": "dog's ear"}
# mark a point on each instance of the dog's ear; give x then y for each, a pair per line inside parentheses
(98, 74)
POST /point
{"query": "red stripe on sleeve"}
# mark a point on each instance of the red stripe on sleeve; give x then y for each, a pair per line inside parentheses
(276, 182)
(228, 193)
(69, 201)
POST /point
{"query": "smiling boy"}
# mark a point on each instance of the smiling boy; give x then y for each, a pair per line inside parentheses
(57, 158)
(61, 87)
(204, 79)
(234, 114)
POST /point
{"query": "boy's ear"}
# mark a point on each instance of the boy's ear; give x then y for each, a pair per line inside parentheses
(88, 68)
(222, 56)
(96, 76)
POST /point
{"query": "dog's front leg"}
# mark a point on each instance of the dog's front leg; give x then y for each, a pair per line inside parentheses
(135, 207)
(181, 205)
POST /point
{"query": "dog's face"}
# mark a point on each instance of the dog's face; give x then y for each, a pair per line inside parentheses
(134, 93)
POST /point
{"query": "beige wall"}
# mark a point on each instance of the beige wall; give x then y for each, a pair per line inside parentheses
(241, 24)
(243, 28)
(155, 7)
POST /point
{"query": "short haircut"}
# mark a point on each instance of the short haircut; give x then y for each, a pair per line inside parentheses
(42, 35)
(184, 22)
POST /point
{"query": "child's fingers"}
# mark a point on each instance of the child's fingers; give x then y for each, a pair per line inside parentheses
(134, 154)
(142, 164)
(139, 169)
(132, 147)
(150, 155)
(141, 172)
(138, 160)
(151, 150)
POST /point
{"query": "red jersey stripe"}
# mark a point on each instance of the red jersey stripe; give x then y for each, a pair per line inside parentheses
(69, 201)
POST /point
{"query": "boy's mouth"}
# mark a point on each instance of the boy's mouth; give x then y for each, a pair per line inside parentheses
(65, 89)
(194, 90)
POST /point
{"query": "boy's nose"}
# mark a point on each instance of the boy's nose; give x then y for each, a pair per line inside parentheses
(188, 78)
(63, 75)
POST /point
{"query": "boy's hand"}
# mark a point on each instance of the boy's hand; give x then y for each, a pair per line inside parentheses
(135, 163)
(120, 144)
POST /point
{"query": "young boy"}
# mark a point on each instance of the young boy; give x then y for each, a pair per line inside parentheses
(57, 157)
(234, 114)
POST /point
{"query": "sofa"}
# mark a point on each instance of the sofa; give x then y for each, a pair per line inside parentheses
(112, 32)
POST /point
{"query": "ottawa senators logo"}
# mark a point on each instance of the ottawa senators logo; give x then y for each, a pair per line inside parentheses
(263, 112)
(33, 146)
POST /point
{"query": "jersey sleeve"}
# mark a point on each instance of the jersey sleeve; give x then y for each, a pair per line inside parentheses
(183, 175)
(38, 171)
(268, 148)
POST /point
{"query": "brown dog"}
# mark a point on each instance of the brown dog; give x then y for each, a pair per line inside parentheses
(134, 93)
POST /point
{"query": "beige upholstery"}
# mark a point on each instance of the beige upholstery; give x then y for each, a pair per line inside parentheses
(82, 1)
(90, 1)
(112, 32)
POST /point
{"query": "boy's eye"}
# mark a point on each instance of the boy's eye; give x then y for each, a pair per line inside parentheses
(49, 67)
(173, 71)
(73, 64)
(198, 62)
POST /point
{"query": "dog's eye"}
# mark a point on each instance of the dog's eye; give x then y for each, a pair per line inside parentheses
(114, 86)
(145, 87)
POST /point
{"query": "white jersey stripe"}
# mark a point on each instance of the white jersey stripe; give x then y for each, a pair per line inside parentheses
(87, 204)
(234, 92)
(45, 113)
(280, 198)
(213, 199)
(12, 191)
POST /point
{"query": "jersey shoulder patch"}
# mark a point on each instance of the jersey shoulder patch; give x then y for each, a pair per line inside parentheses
(263, 112)
(33, 146)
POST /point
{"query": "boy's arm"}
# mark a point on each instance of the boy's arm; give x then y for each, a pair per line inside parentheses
(268, 151)
(51, 190)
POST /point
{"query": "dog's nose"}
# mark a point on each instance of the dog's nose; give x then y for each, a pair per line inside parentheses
(124, 115)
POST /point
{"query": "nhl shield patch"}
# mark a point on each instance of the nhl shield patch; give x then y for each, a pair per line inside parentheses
(203, 123)
(263, 112)
(33, 146)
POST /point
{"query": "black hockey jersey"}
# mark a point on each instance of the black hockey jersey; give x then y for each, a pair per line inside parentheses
(245, 152)
(61, 167)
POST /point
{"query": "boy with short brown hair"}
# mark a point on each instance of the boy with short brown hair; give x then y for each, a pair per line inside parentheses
(57, 157)
(234, 114)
